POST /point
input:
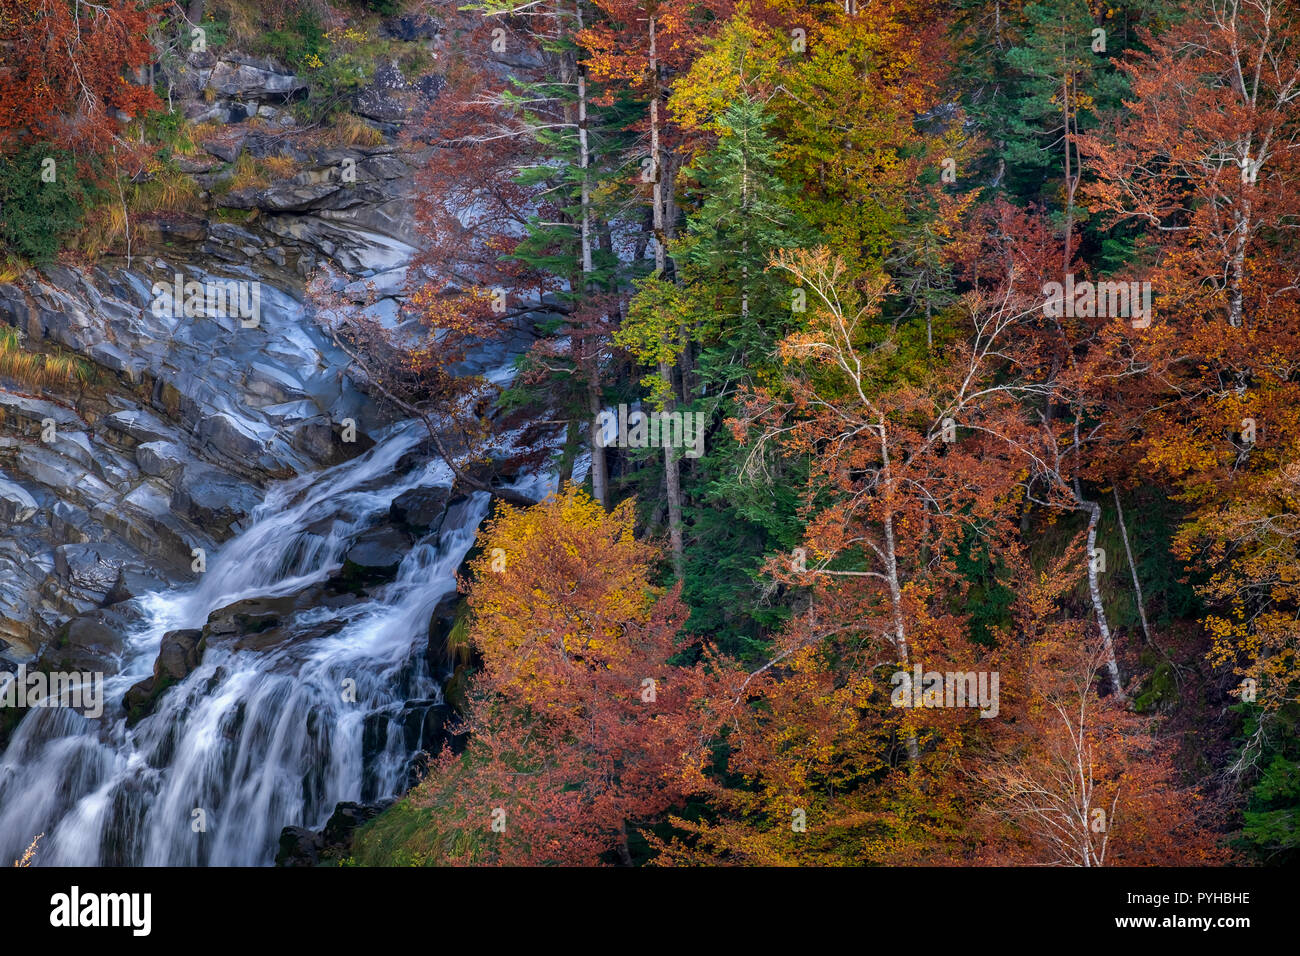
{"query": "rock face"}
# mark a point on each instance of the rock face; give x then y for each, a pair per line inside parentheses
(411, 26)
(168, 448)
(188, 416)
(299, 847)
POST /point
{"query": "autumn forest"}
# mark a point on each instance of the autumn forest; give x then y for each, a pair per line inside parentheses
(919, 383)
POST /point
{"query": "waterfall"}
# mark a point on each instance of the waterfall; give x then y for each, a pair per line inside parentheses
(251, 740)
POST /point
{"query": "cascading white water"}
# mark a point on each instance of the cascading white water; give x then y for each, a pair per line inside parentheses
(254, 739)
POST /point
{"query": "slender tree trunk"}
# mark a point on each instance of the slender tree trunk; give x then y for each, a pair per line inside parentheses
(599, 463)
(1128, 553)
(657, 210)
(1236, 307)
(1071, 175)
(1094, 590)
(672, 476)
(673, 483)
(900, 628)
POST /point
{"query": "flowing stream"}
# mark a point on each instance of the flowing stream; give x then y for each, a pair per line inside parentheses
(251, 740)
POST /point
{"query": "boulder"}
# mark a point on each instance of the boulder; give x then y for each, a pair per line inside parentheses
(226, 148)
(92, 641)
(265, 624)
(344, 820)
(250, 80)
(420, 509)
(299, 847)
(178, 654)
(376, 554)
(321, 440)
(302, 847)
(388, 98)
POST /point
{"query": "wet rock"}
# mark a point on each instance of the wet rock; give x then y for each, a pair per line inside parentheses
(227, 435)
(70, 523)
(322, 440)
(441, 623)
(29, 414)
(421, 509)
(273, 384)
(213, 499)
(427, 727)
(264, 624)
(302, 847)
(99, 572)
(138, 425)
(424, 725)
(92, 641)
(376, 554)
(60, 472)
(178, 654)
(344, 820)
(144, 520)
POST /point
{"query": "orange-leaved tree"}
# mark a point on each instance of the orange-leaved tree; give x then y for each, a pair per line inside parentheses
(63, 75)
(1073, 778)
(582, 729)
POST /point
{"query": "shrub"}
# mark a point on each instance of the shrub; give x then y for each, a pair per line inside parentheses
(35, 215)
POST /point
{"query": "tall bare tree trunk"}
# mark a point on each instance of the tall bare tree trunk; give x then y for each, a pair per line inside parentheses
(900, 628)
(1094, 590)
(672, 476)
(599, 463)
(657, 210)
(1128, 553)
(1072, 175)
